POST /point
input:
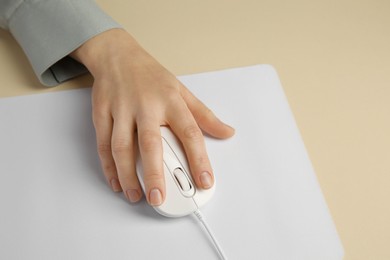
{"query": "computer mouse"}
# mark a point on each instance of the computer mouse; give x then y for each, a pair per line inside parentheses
(182, 196)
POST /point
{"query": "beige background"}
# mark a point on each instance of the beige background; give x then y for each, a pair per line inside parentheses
(333, 59)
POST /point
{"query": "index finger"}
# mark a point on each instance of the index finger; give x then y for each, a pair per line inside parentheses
(150, 146)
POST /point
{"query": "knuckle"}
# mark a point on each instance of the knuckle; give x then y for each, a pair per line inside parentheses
(206, 116)
(121, 145)
(103, 148)
(109, 169)
(149, 140)
(201, 160)
(193, 132)
(153, 176)
(172, 95)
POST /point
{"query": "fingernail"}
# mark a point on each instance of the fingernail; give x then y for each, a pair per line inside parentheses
(133, 195)
(115, 185)
(155, 197)
(206, 181)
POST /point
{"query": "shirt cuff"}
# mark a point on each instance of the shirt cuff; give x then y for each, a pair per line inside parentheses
(48, 31)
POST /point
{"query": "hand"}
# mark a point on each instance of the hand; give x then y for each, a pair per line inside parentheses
(133, 95)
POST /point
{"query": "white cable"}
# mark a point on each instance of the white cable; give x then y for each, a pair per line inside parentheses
(199, 216)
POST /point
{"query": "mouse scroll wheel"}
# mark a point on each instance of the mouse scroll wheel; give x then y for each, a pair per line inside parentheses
(182, 180)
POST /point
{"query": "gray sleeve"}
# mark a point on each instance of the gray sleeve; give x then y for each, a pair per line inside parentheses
(48, 31)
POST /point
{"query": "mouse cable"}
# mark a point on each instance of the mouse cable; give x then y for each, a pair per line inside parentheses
(200, 217)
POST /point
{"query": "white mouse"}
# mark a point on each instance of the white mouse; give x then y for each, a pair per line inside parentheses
(182, 196)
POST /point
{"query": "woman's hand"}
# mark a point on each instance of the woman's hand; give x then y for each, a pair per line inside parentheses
(132, 96)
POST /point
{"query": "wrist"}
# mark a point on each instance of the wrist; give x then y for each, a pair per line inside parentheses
(104, 50)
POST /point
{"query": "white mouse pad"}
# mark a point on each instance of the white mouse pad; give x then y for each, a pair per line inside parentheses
(55, 203)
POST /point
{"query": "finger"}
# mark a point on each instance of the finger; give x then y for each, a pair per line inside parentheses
(103, 127)
(184, 126)
(150, 146)
(123, 154)
(205, 118)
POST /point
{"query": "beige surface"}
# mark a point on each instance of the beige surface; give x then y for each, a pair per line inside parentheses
(334, 62)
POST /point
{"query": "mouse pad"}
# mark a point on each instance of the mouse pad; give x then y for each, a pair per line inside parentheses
(55, 203)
